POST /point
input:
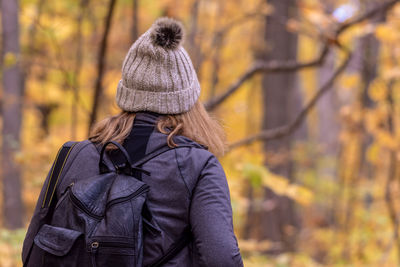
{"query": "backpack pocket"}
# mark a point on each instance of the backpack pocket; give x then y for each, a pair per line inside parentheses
(112, 251)
(60, 246)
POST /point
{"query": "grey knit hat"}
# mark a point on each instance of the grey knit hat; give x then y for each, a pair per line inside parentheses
(157, 73)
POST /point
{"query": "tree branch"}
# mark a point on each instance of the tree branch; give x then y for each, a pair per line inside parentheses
(219, 34)
(217, 44)
(266, 67)
(367, 15)
(291, 127)
(289, 66)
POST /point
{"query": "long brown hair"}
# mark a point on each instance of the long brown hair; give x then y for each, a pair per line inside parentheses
(195, 124)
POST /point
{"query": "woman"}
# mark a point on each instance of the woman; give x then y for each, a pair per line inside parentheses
(188, 185)
(158, 95)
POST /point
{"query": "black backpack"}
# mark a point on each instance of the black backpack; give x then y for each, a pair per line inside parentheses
(99, 220)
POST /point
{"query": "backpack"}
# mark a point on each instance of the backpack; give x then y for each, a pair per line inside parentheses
(99, 219)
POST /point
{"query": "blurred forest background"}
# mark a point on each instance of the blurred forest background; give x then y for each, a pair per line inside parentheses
(308, 91)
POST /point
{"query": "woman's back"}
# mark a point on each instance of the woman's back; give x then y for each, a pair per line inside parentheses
(187, 188)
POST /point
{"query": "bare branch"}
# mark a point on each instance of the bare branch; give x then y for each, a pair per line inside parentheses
(289, 66)
(219, 34)
(266, 67)
(282, 131)
(217, 42)
(382, 8)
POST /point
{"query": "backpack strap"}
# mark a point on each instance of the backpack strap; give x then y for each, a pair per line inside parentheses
(56, 171)
(53, 180)
(157, 153)
(186, 236)
(174, 249)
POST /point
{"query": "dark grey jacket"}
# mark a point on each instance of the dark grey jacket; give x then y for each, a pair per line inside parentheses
(187, 187)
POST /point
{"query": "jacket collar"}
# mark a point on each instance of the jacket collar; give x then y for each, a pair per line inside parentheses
(146, 118)
(158, 139)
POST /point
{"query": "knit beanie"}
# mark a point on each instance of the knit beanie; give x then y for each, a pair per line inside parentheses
(157, 73)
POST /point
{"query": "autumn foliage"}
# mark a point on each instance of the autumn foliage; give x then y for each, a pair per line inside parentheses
(312, 166)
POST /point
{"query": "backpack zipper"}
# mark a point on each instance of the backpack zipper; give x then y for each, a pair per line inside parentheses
(93, 249)
(96, 244)
(82, 207)
(144, 188)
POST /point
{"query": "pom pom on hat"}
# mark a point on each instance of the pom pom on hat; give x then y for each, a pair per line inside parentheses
(167, 33)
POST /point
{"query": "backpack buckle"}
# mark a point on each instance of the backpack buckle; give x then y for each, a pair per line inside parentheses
(122, 169)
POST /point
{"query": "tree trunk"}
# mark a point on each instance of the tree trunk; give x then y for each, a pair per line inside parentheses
(365, 61)
(77, 68)
(12, 116)
(191, 42)
(328, 137)
(369, 47)
(101, 64)
(135, 20)
(278, 221)
(392, 174)
(327, 107)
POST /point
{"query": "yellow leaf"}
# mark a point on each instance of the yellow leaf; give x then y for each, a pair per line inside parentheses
(373, 153)
(55, 94)
(350, 81)
(254, 245)
(260, 175)
(386, 33)
(10, 59)
(300, 194)
(392, 73)
(378, 90)
(386, 139)
(277, 183)
(19, 157)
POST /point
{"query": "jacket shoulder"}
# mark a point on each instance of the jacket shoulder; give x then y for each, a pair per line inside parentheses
(191, 163)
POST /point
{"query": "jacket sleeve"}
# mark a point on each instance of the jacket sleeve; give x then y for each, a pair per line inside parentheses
(211, 218)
